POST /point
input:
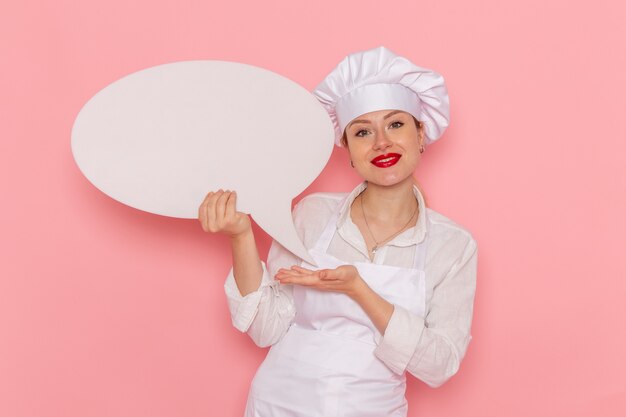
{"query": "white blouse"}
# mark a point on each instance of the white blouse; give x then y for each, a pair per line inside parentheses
(430, 348)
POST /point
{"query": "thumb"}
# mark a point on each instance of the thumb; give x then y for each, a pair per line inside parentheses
(328, 274)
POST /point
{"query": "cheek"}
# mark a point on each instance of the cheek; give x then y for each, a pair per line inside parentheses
(412, 149)
(357, 154)
(412, 159)
(415, 156)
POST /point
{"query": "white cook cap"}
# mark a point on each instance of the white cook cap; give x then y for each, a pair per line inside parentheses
(378, 79)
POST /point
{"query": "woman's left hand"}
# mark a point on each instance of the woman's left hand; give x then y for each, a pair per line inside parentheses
(345, 279)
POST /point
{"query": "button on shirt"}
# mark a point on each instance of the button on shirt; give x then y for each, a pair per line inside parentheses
(430, 348)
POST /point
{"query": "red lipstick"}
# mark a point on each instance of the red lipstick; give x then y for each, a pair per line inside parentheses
(386, 160)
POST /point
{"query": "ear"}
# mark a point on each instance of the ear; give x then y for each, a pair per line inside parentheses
(421, 136)
(344, 140)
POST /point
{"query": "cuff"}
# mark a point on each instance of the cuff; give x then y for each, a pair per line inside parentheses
(243, 310)
(397, 346)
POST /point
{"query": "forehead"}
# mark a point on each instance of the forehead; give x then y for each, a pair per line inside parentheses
(377, 115)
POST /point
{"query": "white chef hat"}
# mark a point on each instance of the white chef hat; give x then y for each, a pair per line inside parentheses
(378, 79)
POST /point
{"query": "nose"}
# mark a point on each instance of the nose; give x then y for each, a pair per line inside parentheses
(382, 140)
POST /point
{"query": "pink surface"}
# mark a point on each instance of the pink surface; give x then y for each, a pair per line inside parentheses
(109, 311)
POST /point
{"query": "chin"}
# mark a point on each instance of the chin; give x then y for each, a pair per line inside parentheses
(389, 180)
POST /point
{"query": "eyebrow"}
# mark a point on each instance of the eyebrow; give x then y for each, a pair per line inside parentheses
(367, 121)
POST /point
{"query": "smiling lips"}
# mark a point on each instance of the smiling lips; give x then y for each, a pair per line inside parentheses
(386, 160)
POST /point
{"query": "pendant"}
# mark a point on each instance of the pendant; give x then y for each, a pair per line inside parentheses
(374, 249)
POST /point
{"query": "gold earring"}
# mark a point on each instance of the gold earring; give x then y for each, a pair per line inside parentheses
(421, 148)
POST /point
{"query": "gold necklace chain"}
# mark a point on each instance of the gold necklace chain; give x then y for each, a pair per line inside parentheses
(375, 248)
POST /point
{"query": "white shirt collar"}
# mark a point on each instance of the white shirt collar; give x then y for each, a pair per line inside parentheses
(350, 232)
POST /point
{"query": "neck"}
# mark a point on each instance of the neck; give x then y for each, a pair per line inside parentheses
(390, 203)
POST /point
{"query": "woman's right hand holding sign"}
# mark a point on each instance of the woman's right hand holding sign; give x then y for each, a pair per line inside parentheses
(218, 213)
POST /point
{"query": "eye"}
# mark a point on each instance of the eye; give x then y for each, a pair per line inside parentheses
(396, 124)
(361, 133)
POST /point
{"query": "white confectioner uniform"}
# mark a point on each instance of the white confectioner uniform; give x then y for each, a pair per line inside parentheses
(327, 359)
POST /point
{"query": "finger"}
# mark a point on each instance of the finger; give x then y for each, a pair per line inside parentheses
(206, 198)
(285, 273)
(303, 280)
(202, 214)
(206, 219)
(293, 273)
(211, 213)
(329, 274)
(325, 276)
(220, 206)
(231, 205)
(300, 269)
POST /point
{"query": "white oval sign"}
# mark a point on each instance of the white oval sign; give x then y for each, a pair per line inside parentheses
(160, 139)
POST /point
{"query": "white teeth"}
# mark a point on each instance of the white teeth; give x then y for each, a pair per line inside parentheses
(385, 160)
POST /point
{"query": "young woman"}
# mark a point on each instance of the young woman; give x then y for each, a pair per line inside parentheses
(394, 284)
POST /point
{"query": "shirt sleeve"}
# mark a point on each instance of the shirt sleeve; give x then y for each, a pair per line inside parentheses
(265, 314)
(432, 349)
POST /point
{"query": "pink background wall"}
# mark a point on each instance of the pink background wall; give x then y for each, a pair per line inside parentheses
(109, 311)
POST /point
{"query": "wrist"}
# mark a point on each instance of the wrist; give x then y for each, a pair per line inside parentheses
(360, 290)
(242, 236)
